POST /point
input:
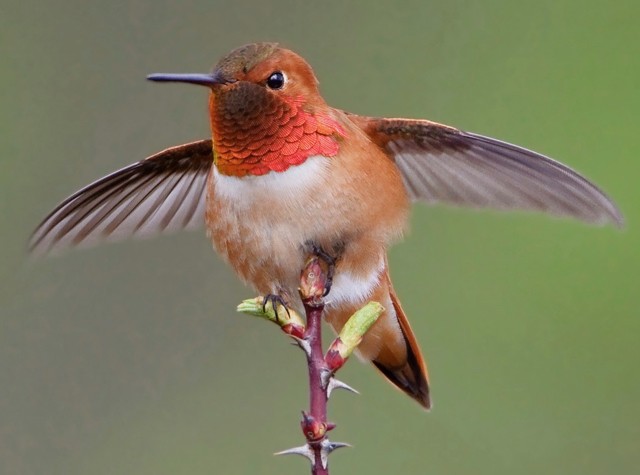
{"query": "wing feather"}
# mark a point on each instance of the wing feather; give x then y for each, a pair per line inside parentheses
(441, 164)
(163, 193)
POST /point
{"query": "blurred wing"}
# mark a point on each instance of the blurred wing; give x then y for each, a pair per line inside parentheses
(443, 164)
(163, 193)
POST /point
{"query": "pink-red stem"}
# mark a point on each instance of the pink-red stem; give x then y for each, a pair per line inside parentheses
(317, 391)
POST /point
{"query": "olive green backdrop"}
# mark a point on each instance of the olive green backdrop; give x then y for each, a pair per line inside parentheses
(130, 359)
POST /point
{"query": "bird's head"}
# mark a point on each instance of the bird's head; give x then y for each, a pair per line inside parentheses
(266, 111)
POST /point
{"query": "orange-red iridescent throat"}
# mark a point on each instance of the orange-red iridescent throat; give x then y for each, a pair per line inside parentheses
(267, 133)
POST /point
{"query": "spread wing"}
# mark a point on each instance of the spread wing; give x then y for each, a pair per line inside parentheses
(163, 193)
(443, 164)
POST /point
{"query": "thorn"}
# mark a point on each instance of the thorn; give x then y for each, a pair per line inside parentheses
(302, 344)
(326, 447)
(303, 450)
(337, 384)
(326, 375)
(336, 445)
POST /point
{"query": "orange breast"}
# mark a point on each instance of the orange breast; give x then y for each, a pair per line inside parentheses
(264, 133)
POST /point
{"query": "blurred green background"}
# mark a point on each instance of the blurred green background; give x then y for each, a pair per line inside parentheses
(130, 359)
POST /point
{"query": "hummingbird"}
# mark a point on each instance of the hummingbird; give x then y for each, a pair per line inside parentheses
(284, 174)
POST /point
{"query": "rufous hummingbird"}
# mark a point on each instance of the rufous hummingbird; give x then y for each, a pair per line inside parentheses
(285, 173)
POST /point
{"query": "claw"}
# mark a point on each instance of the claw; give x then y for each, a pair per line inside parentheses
(271, 309)
(275, 301)
(331, 271)
(303, 450)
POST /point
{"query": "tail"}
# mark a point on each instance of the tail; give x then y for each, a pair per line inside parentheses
(390, 343)
(411, 376)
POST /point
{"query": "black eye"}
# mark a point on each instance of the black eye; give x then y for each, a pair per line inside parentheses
(276, 80)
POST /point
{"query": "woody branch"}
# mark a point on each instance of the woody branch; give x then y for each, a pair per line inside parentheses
(321, 367)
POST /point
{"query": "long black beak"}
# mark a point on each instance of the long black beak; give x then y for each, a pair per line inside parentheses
(208, 80)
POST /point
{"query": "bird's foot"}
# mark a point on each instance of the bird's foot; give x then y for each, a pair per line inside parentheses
(275, 300)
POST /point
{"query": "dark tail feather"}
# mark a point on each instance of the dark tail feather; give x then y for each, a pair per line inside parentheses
(409, 379)
(412, 378)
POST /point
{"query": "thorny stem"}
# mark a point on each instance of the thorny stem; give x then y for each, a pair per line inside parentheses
(317, 391)
(321, 368)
